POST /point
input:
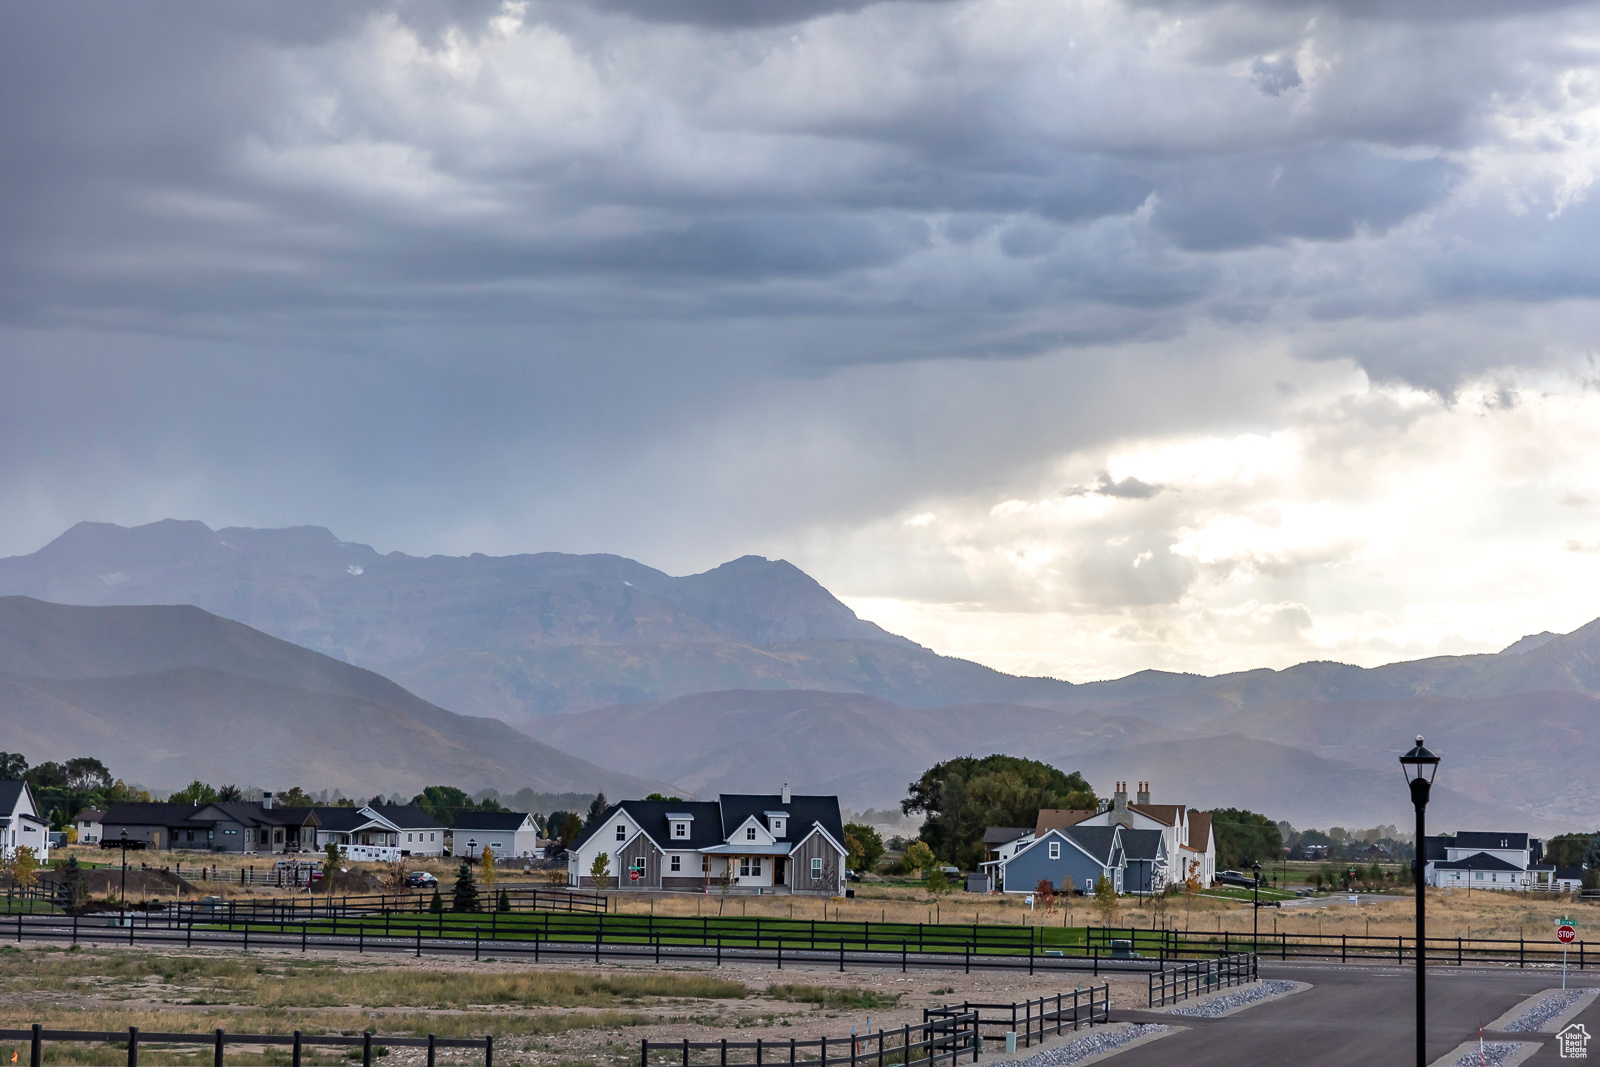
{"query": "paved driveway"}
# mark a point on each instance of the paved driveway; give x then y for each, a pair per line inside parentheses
(1351, 1015)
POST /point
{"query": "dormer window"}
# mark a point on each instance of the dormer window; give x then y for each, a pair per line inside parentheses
(749, 833)
(680, 829)
(777, 827)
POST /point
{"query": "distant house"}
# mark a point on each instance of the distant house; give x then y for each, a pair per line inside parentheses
(1073, 859)
(1494, 860)
(89, 826)
(1148, 865)
(1189, 842)
(239, 827)
(508, 834)
(416, 832)
(767, 843)
(20, 824)
(363, 834)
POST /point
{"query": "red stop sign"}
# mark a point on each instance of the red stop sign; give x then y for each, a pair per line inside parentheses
(1566, 935)
(634, 875)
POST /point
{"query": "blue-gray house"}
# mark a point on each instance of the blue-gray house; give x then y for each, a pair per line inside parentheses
(1071, 859)
(1145, 854)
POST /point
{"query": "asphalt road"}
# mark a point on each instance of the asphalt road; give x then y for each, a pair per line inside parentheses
(1351, 1015)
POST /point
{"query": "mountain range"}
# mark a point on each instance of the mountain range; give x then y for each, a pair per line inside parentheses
(753, 671)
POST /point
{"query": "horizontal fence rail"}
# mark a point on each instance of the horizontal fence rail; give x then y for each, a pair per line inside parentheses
(941, 1041)
(315, 906)
(1399, 949)
(219, 1041)
(1184, 980)
(1033, 1020)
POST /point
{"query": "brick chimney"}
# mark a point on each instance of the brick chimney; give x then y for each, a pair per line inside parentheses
(1143, 796)
(1119, 807)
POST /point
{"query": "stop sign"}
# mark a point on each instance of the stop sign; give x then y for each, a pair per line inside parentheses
(634, 875)
(1566, 934)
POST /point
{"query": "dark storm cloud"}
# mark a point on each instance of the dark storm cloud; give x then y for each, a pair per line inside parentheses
(311, 261)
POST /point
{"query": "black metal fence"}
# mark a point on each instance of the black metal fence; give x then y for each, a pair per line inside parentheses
(369, 1043)
(942, 1040)
(314, 907)
(1033, 1020)
(1182, 981)
(1397, 949)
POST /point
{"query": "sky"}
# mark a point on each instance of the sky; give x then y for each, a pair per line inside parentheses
(1072, 337)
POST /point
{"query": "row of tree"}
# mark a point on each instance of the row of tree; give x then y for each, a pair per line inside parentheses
(62, 790)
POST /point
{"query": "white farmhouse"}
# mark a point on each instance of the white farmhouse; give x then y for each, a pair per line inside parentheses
(20, 825)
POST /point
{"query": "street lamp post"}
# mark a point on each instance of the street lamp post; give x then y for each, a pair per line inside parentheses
(1255, 927)
(1420, 765)
(124, 843)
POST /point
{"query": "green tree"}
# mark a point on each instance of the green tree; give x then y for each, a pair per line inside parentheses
(295, 798)
(864, 844)
(918, 857)
(600, 871)
(665, 799)
(1243, 837)
(597, 811)
(961, 798)
(487, 865)
(1573, 850)
(436, 905)
(85, 774)
(936, 882)
(230, 794)
(196, 792)
(13, 766)
(504, 903)
(24, 865)
(1105, 899)
(333, 858)
(465, 897)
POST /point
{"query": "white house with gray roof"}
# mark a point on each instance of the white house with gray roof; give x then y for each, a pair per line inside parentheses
(20, 824)
(508, 834)
(768, 843)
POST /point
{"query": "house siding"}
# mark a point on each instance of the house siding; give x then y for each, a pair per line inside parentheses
(1026, 869)
(799, 872)
(639, 850)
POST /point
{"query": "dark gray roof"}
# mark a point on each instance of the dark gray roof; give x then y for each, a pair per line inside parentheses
(1433, 848)
(10, 795)
(337, 818)
(1141, 844)
(1004, 835)
(805, 814)
(1573, 873)
(705, 828)
(1485, 840)
(1098, 841)
(408, 816)
(489, 821)
(1478, 861)
(248, 812)
(134, 813)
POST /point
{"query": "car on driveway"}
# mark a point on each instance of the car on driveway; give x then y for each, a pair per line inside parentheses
(421, 880)
(1236, 879)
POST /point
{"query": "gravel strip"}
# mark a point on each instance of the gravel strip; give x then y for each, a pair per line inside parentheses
(1494, 1052)
(1545, 1010)
(1091, 1045)
(1238, 998)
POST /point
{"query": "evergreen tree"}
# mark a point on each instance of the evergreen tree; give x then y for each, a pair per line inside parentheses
(436, 905)
(466, 891)
(505, 901)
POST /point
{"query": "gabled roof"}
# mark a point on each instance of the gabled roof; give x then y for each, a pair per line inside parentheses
(489, 821)
(1478, 861)
(1199, 829)
(11, 795)
(1144, 844)
(408, 816)
(1056, 818)
(135, 813)
(1101, 842)
(805, 813)
(1572, 874)
(1167, 814)
(344, 820)
(1004, 835)
(705, 827)
(1436, 848)
(90, 815)
(1488, 840)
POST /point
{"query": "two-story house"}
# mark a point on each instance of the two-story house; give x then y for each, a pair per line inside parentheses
(765, 843)
(20, 824)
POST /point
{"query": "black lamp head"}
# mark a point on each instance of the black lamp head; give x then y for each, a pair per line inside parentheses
(1419, 764)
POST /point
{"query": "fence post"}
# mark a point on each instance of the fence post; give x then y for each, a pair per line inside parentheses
(823, 1057)
(366, 1048)
(36, 1050)
(724, 1052)
(430, 1049)
(75, 929)
(488, 1050)
(685, 1052)
(133, 1046)
(477, 941)
(216, 1050)
(296, 1053)
(644, 1052)
(361, 939)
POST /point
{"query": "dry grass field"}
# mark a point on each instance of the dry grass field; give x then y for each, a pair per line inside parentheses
(545, 1015)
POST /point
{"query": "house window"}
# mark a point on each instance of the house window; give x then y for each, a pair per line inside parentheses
(677, 862)
(744, 866)
(777, 827)
(705, 864)
(430, 837)
(749, 833)
(680, 829)
(816, 867)
(1055, 850)
(1478, 875)
(622, 832)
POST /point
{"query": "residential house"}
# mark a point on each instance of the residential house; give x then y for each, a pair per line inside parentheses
(363, 834)
(20, 824)
(1148, 864)
(1189, 842)
(508, 834)
(764, 843)
(1072, 859)
(89, 826)
(241, 827)
(1494, 860)
(416, 832)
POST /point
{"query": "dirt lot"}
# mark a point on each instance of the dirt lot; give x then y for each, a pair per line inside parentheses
(540, 1014)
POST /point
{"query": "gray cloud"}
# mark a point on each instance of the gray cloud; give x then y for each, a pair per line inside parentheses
(1274, 77)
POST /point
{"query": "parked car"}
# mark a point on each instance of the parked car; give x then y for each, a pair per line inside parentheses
(421, 880)
(1236, 879)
